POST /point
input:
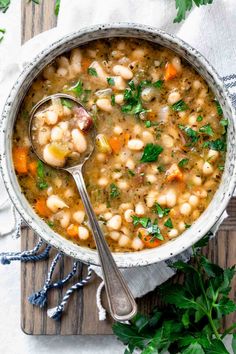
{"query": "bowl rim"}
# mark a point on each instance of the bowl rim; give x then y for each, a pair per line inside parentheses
(86, 255)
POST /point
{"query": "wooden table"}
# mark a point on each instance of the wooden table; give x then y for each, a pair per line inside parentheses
(81, 314)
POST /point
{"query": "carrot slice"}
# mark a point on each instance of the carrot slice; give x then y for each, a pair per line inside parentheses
(174, 173)
(147, 239)
(72, 230)
(33, 168)
(85, 63)
(115, 144)
(20, 157)
(170, 72)
(41, 207)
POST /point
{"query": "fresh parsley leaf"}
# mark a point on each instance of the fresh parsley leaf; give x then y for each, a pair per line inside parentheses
(218, 108)
(2, 32)
(216, 347)
(187, 226)
(183, 162)
(161, 168)
(169, 223)
(149, 124)
(131, 173)
(92, 72)
(221, 168)
(42, 185)
(224, 122)
(207, 129)
(110, 81)
(158, 84)
(143, 221)
(40, 169)
(67, 103)
(184, 6)
(50, 223)
(133, 103)
(85, 95)
(151, 228)
(199, 119)
(114, 191)
(151, 152)
(57, 7)
(192, 134)
(234, 343)
(77, 88)
(4, 5)
(113, 101)
(37, 2)
(161, 211)
(194, 348)
(218, 145)
(179, 106)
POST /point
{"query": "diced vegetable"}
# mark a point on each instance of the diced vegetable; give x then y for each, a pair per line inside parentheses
(33, 167)
(103, 144)
(85, 121)
(72, 230)
(148, 240)
(174, 173)
(170, 72)
(41, 207)
(20, 159)
(115, 143)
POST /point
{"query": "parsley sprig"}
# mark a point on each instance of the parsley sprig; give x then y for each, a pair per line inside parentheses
(152, 228)
(183, 6)
(191, 320)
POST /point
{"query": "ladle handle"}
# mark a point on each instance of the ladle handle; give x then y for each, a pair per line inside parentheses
(121, 302)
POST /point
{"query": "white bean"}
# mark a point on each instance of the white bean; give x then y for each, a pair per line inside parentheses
(138, 53)
(103, 182)
(130, 164)
(125, 230)
(56, 133)
(116, 175)
(115, 222)
(173, 233)
(69, 193)
(192, 120)
(207, 169)
(49, 191)
(44, 135)
(151, 198)
(140, 209)
(123, 241)
(213, 155)
(171, 198)
(193, 200)
(137, 244)
(50, 158)
(173, 97)
(147, 137)
(118, 130)
(51, 117)
(102, 75)
(114, 235)
(100, 157)
(181, 226)
(64, 217)
(104, 104)
(176, 61)
(54, 203)
(125, 206)
(135, 144)
(119, 99)
(79, 140)
(167, 141)
(128, 215)
(185, 209)
(79, 216)
(151, 178)
(122, 184)
(75, 60)
(162, 200)
(197, 180)
(123, 71)
(197, 84)
(107, 216)
(83, 233)
(120, 84)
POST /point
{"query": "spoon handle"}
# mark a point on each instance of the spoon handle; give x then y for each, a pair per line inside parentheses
(121, 302)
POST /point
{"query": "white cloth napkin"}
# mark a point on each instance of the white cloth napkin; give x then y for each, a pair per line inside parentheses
(203, 28)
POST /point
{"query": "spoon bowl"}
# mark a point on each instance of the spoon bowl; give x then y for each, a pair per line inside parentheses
(120, 300)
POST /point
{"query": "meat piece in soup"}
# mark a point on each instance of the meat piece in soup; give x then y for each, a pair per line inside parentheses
(159, 153)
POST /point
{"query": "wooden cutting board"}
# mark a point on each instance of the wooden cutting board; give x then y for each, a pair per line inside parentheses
(81, 316)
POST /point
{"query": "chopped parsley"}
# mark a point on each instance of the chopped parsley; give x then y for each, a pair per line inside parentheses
(179, 106)
(131, 173)
(92, 72)
(57, 7)
(183, 162)
(169, 223)
(151, 152)
(187, 226)
(199, 118)
(41, 183)
(161, 211)
(110, 81)
(113, 101)
(50, 223)
(2, 32)
(218, 145)
(67, 103)
(224, 122)
(218, 108)
(151, 227)
(161, 168)
(114, 191)
(207, 129)
(133, 104)
(149, 124)
(158, 84)
(4, 4)
(192, 134)
(77, 88)
(221, 168)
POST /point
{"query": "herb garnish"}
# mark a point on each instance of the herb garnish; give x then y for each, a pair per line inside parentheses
(183, 6)
(169, 223)
(151, 152)
(57, 7)
(4, 4)
(192, 316)
(114, 191)
(41, 184)
(224, 122)
(218, 144)
(2, 32)
(133, 103)
(151, 227)
(218, 108)
(160, 211)
(192, 134)
(77, 88)
(110, 81)
(67, 103)
(149, 124)
(113, 101)
(207, 129)
(183, 162)
(199, 119)
(92, 72)
(179, 106)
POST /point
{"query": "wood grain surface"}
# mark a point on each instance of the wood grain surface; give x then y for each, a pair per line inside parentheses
(81, 316)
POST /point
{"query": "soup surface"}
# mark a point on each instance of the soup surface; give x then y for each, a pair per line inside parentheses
(159, 152)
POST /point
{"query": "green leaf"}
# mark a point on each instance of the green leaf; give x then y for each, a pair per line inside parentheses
(2, 32)
(179, 106)
(218, 108)
(183, 6)
(169, 223)
(218, 144)
(216, 347)
(77, 88)
(42, 185)
(194, 348)
(128, 335)
(4, 5)
(140, 220)
(114, 191)
(92, 72)
(203, 241)
(161, 211)
(113, 101)
(149, 124)
(225, 306)
(183, 162)
(199, 119)
(140, 322)
(40, 169)
(158, 84)
(176, 295)
(151, 152)
(110, 81)
(207, 129)
(210, 268)
(57, 7)
(192, 134)
(224, 122)
(67, 103)
(154, 230)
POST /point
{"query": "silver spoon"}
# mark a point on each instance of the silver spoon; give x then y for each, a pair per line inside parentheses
(120, 300)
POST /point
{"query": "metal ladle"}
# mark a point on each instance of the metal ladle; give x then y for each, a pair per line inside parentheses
(121, 302)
